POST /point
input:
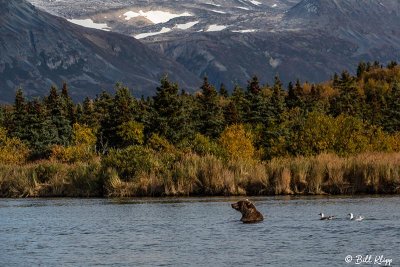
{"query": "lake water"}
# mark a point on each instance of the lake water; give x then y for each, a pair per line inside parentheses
(196, 232)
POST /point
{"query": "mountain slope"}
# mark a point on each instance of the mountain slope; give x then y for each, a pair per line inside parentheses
(309, 41)
(39, 49)
(231, 40)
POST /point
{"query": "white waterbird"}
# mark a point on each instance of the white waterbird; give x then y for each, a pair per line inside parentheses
(323, 217)
(358, 218)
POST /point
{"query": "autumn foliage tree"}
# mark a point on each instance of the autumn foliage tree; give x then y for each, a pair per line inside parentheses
(237, 142)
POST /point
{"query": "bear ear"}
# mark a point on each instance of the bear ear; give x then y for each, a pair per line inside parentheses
(249, 204)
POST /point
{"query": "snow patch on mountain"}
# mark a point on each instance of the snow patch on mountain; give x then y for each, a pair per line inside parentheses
(242, 7)
(218, 11)
(216, 28)
(245, 31)
(89, 23)
(254, 2)
(186, 26)
(148, 34)
(155, 16)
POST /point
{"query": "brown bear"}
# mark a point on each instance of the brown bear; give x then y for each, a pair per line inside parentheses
(249, 212)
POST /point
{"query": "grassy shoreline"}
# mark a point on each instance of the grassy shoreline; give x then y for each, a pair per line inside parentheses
(193, 175)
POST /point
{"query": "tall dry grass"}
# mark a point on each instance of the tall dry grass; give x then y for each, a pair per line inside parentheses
(51, 179)
(194, 175)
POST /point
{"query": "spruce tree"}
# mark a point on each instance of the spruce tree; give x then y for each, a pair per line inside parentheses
(57, 116)
(68, 105)
(19, 115)
(391, 113)
(87, 115)
(102, 111)
(231, 114)
(274, 131)
(40, 131)
(294, 96)
(171, 118)
(348, 101)
(278, 106)
(211, 118)
(122, 109)
(256, 102)
(239, 102)
(222, 91)
(392, 65)
(361, 69)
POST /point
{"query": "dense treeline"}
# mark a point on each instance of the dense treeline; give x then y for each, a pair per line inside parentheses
(177, 143)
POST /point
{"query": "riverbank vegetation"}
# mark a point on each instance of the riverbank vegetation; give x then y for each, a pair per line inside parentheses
(337, 137)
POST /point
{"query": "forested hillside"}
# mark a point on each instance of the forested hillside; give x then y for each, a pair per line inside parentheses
(210, 142)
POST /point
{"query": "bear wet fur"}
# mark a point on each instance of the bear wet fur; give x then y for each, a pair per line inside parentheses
(249, 212)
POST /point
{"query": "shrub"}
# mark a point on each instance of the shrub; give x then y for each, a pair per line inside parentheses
(12, 150)
(81, 150)
(203, 145)
(130, 161)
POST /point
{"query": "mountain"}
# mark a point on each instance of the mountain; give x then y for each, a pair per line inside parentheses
(39, 50)
(231, 40)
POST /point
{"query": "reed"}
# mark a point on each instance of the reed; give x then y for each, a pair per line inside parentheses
(51, 179)
(193, 175)
(280, 176)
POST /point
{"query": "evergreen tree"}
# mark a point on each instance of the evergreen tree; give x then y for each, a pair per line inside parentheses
(231, 114)
(314, 100)
(256, 110)
(189, 116)
(146, 113)
(102, 109)
(19, 115)
(211, 118)
(122, 109)
(348, 101)
(87, 115)
(295, 96)
(278, 106)
(239, 102)
(392, 65)
(56, 115)
(361, 69)
(40, 131)
(377, 65)
(335, 80)
(222, 91)
(68, 105)
(101, 106)
(275, 130)
(171, 118)
(391, 114)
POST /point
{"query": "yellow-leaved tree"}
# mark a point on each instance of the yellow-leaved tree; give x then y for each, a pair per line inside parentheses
(12, 149)
(82, 148)
(237, 142)
(131, 133)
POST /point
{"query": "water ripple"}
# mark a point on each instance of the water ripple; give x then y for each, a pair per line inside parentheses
(195, 232)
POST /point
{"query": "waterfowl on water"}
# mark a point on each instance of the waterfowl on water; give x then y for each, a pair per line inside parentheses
(323, 217)
(357, 219)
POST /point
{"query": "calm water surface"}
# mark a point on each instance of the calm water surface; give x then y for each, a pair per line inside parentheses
(196, 232)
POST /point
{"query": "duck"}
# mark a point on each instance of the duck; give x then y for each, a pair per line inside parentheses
(323, 217)
(357, 219)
